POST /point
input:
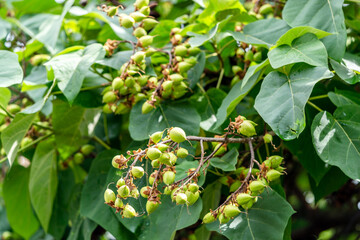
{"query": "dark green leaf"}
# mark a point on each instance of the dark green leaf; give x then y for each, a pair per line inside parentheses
(341, 98)
(336, 138)
(282, 98)
(10, 71)
(297, 32)
(198, 39)
(116, 60)
(162, 33)
(194, 73)
(226, 162)
(5, 96)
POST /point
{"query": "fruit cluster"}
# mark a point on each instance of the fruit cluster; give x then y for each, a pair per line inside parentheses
(77, 158)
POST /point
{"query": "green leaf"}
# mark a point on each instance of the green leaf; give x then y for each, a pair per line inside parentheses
(329, 18)
(82, 228)
(345, 73)
(66, 124)
(239, 91)
(14, 133)
(173, 216)
(194, 74)
(227, 162)
(262, 32)
(5, 96)
(162, 33)
(198, 39)
(4, 28)
(297, 32)
(70, 69)
(43, 181)
(336, 138)
(10, 71)
(17, 202)
(116, 60)
(341, 98)
(173, 114)
(306, 48)
(27, 6)
(92, 203)
(282, 98)
(267, 219)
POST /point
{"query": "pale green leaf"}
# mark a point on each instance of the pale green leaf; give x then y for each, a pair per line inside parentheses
(10, 71)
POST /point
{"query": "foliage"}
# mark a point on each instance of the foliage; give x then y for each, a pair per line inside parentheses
(235, 119)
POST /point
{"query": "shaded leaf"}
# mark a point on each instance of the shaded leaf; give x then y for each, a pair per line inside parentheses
(297, 32)
(341, 98)
(10, 71)
(227, 162)
(345, 73)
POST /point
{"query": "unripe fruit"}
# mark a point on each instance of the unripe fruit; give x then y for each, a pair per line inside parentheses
(268, 138)
(184, 67)
(240, 52)
(135, 193)
(273, 175)
(258, 57)
(127, 21)
(162, 147)
(121, 159)
(236, 69)
(223, 219)
(192, 197)
(165, 158)
(151, 206)
(191, 60)
(39, 59)
(177, 38)
(79, 158)
(137, 172)
(146, 108)
(150, 51)
(146, 41)
(167, 190)
(87, 149)
(208, 218)
(124, 191)
(177, 135)
(141, 3)
(247, 128)
(266, 9)
(145, 10)
(180, 50)
(109, 196)
(153, 153)
(138, 57)
(249, 56)
(249, 204)
(13, 108)
(220, 151)
(273, 161)
(181, 198)
(243, 198)
(112, 11)
(235, 185)
(139, 32)
(129, 211)
(193, 187)
(167, 86)
(169, 177)
(173, 159)
(153, 80)
(144, 191)
(119, 203)
(124, 90)
(109, 97)
(173, 193)
(137, 16)
(256, 186)
(149, 23)
(122, 109)
(231, 211)
(156, 136)
(151, 180)
(120, 182)
(194, 51)
(176, 77)
(25, 142)
(182, 152)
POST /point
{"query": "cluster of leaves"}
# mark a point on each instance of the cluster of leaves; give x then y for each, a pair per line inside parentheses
(83, 81)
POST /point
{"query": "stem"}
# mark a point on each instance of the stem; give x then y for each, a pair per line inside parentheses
(226, 140)
(101, 142)
(259, 155)
(6, 111)
(220, 78)
(267, 150)
(314, 106)
(318, 97)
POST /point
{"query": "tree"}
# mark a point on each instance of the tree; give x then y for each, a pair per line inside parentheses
(179, 120)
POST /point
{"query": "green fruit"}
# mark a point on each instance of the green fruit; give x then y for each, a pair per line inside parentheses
(223, 219)
(135, 193)
(266, 9)
(191, 197)
(129, 82)
(235, 80)
(138, 57)
(191, 61)
(184, 67)
(249, 56)
(247, 128)
(137, 16)
(153, 153)
(156, 136)
(141, 3)
(145, 10)
(146, 41)
(119, 203)
(258, 57)
(167, 86)
(220, 151)
(182, 152)
(112, 11)
(256, 186)
(235, 185)
(268, 138)
(109, 97)
(167, 190)
(13, 108)
(240, 52)
(193, 187)
(107, 109)
(139, 32)
(165, 158)
(173, 159)
(39, 59)
(146, 108)
(87, 149)
(129, 211)
(169, 177)
(273, 161)
(119, 158)
(145, 191)
(127, 21)
(122, 109)
(151, 180)
(177, 38)
(236, 69)
(176, 77)
(109, 196)
(181, 198)
(124, 191)
(194, 51)
(273, 175)
(120, 182)
(150, 51)
(79, 158)
(25, 142)
(177, 135)
(153, 80)
(151, 206)
(137, 172)
(243, 198)
(231, 211)
(249, 204)
(180, 50)
(209, 218)
(149, 23)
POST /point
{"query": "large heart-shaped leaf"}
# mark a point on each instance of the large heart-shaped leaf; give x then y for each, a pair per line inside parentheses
(297, 32)
(336, 138)
(10, 71)
(329, 18)
(266, 220)
(306, 48)
(43, 181)
(282, 98)
(180, 114)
